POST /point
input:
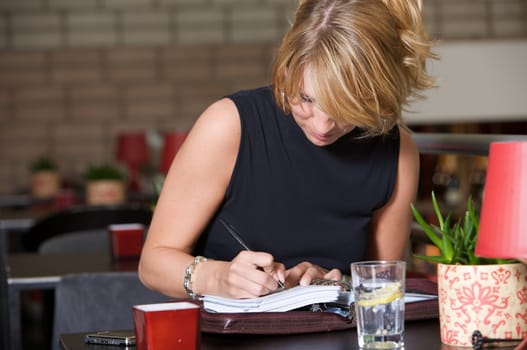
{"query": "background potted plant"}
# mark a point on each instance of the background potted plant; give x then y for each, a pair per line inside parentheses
(45, 179)
(475, 293)
(105, 184)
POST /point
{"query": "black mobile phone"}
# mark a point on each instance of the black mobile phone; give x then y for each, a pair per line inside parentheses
(121, 338)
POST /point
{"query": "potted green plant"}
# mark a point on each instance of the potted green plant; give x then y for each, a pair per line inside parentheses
(475, 293)
(45, 178)
(105, 184)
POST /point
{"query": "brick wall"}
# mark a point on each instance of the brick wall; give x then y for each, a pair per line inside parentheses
(75, 73)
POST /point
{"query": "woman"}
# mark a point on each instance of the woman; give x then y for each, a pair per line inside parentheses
(316, 171)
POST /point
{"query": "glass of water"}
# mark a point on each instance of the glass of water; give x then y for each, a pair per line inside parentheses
(378, 291)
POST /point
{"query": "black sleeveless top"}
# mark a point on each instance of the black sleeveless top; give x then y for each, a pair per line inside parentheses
(298, 201)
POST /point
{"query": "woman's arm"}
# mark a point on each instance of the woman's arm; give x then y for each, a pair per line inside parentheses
(193, 190)
(391, 223)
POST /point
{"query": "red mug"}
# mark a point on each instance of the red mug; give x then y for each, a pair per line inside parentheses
(126, 240)
(167, 326)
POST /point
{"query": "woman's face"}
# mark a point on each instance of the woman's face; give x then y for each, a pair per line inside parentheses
(319, 128)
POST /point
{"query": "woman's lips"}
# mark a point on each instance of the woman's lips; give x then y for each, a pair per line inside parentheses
(321, 138)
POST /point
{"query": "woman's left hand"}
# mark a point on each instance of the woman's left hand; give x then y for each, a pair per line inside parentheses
(306, 272)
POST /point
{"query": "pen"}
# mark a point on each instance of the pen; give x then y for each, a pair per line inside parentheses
(234, 234)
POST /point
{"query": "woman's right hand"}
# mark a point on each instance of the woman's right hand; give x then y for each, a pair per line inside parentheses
(249, 275)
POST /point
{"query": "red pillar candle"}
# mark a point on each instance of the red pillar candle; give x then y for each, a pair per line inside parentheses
(133, 151)
(171, 145)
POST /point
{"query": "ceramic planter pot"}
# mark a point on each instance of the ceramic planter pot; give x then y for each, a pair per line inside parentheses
(488, 298)
(45, 184)
(105, 192)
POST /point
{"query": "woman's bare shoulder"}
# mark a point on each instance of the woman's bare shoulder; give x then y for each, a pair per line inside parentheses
(407, 143)
(219, 123)
(222, 113)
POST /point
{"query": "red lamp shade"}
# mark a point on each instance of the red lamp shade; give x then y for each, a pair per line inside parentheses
(172, 142)
(131, 148)
(133, 151)
(503, 221)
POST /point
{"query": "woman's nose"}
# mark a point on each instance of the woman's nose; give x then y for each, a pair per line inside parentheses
(322, 123)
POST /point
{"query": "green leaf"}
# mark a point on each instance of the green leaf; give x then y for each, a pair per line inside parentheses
(437, 212)
(103, 172)
(448, 250)
(43, 163)
(435, 258)
(473, 216)
(432, 235)
(457, 242)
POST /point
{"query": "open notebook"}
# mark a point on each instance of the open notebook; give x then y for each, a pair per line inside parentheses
(291, 299)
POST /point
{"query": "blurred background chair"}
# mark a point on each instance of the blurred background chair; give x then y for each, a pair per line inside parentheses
(78, 229)
(86, 227)
(89, 241)
(99, 301)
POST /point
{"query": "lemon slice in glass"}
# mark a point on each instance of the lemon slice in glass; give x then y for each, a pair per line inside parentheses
(383, 295)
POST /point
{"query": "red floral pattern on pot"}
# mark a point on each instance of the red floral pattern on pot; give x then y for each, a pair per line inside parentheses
(488, 298)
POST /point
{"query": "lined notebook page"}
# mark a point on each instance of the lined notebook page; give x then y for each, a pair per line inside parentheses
(293, 298)
(282, 300)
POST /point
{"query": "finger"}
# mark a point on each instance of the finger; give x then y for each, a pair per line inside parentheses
(261, 260)
(278, 272)
(311, 273)
(270, 275)
(265, 262)
(247, 282)
(334, 275)
(294, 274)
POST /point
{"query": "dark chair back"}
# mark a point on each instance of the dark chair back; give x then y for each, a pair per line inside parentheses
(89, 241)
(83, 218)
(91, 302)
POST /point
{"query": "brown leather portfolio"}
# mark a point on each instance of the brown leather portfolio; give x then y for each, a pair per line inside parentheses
(297, 322)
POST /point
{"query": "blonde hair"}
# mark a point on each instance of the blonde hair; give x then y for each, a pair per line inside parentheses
(367, 57)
